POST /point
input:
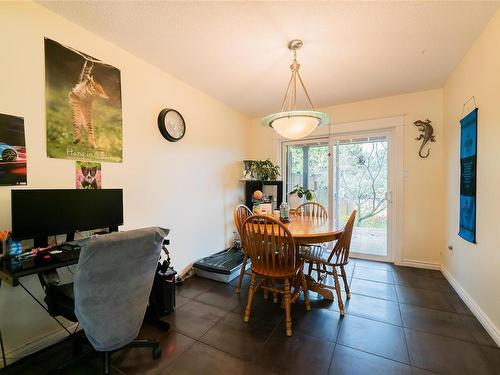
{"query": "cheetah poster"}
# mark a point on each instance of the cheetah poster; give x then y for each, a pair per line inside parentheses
(83, 106)
(468, 155)
(12, 151)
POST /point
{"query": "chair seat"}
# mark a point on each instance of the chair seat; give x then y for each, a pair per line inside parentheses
(275, 275)
(313, 253)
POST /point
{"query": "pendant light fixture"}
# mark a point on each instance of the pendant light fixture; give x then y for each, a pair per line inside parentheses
(289, 122)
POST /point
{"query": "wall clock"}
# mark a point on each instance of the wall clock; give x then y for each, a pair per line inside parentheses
(171, 124)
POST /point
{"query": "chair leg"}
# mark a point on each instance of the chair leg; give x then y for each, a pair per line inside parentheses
(242, 273)
(275, 294)
(310, 269)
(251, 292)
(344, 277)
(337, 289)
(106, 363)
(266, 292)
(305, 290)
(288, 305)
(318, 270)
(143, 343)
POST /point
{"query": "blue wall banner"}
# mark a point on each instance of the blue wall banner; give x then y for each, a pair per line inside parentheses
(468, 154)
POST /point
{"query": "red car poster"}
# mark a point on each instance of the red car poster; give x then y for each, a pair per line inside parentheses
(12, 151)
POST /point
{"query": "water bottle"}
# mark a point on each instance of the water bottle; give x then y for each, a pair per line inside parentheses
(14, 247)
(284, 212)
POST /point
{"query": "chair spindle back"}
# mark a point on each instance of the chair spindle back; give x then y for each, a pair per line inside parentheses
(240, 214)
(312, 209)
(343, 245)
(270, 246)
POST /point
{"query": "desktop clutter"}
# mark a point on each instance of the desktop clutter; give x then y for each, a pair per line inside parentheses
(262, 205)
(18, 260)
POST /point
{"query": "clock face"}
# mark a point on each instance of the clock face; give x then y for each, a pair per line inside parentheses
(171, 124)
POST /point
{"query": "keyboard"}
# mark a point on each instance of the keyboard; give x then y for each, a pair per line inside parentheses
(64, 253)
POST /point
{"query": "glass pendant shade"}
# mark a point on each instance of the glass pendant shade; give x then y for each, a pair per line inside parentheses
(295, 124)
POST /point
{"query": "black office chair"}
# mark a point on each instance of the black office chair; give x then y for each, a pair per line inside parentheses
(111, 288)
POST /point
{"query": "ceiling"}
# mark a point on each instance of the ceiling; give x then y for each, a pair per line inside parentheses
(236, 51)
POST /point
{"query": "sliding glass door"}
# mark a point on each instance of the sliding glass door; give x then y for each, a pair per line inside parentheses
(361, 183)
(357, 176)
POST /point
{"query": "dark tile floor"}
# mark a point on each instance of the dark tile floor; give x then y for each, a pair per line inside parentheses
(398, 321)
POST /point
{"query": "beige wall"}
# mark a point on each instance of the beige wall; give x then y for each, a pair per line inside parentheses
(190, 187)
(424, 183)
(476, 268)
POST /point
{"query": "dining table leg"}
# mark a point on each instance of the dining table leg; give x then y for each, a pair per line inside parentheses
(314, 286)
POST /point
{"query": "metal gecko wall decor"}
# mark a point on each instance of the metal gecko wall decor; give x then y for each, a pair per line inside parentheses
(427, 135)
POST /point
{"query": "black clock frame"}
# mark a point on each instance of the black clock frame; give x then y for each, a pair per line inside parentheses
(161, 125)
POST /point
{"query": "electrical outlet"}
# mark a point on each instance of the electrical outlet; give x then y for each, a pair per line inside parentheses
(450, 246)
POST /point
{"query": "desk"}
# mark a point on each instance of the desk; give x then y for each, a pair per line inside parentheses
(12, 278)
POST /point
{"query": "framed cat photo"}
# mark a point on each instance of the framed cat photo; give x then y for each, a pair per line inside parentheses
(83, 106)
(88, 175)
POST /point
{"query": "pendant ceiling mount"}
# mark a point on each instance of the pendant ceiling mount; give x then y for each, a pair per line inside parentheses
(295, 44)
(290, 122)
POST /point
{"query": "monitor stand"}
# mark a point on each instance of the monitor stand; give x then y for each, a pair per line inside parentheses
(70, 237)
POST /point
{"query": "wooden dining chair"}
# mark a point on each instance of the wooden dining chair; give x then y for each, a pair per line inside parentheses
(312, 209)
(240, 214)
(325, 262)
(275, 258)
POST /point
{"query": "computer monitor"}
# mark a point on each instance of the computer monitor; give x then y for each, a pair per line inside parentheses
(38, 214)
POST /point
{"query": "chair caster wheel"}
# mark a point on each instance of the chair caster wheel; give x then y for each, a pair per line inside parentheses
(156, 353)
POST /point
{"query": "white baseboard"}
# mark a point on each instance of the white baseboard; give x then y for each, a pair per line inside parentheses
(418, 264)
(185, 271)
(488, 325)
(37, 344)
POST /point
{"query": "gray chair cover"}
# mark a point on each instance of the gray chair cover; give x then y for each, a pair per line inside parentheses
(112, 284)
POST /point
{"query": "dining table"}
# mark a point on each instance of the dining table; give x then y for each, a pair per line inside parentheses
(310, 230)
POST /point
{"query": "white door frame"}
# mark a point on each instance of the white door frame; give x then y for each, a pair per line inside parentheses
(394, 127)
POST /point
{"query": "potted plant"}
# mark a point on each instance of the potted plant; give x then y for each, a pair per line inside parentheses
(265, 170)
(297, 195)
